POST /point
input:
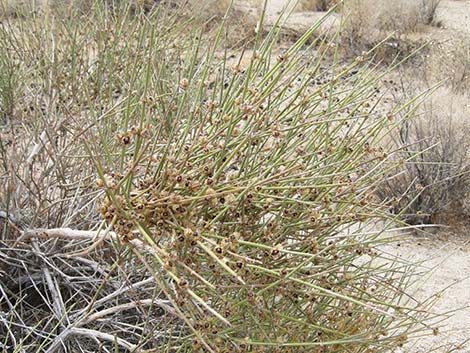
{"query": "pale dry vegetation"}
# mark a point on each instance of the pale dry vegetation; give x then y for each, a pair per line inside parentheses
(316, 5)
(243, 19)
(401, 16)
(368, 22)
(433, 186)
(450, 64)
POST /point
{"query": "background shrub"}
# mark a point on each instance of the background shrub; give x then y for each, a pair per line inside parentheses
(451, 63)
(316, 5)
(368, 22)
(433, 184)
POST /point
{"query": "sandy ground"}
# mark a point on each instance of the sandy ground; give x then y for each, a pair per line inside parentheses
(454, 15)
(447, 271)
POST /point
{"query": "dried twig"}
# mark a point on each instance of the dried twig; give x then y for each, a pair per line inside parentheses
(86, 295)
(72, 234)
(97, 335)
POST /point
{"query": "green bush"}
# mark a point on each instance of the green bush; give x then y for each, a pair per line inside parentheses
(251, 186)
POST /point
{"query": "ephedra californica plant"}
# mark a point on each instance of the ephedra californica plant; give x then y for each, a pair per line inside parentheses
(243, 180)
(249, 185)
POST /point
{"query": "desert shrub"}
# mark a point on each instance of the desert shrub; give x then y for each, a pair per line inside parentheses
(428, 9)
(13, 8)
(243, 180)
(370, 22)
(316, 5)
(382, 15)
(250, 188)
(8, 78)
(433, 183)
(459, 62)
(242, 17)
(451, 62)
(44, 176)
(401, 16)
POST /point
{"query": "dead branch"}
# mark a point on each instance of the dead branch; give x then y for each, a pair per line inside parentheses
(73, 234)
